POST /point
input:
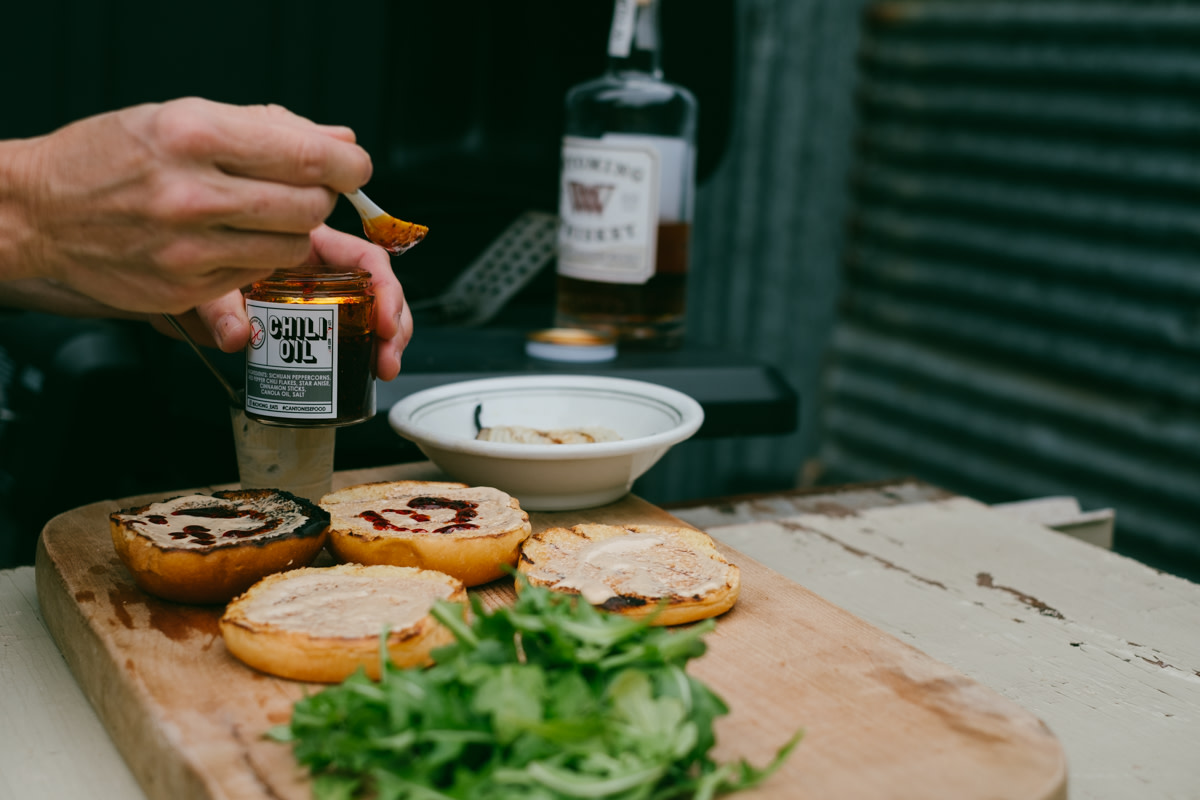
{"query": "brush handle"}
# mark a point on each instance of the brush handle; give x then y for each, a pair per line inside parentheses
(364, 205)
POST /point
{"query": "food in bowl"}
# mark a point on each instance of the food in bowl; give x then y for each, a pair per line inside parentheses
(472, 533)
(649, 418)
(520, 434)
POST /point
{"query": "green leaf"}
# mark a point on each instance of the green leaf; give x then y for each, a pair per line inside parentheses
(574, 785)
(547, 699)
(335, 787)
(280, 733)
(513, 695)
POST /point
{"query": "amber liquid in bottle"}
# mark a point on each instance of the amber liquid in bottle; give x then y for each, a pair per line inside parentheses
(645, 314)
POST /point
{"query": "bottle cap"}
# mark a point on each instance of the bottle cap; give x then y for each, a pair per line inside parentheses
(571, 344)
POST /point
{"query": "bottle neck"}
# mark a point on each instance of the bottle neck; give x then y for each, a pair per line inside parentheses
(633, 43)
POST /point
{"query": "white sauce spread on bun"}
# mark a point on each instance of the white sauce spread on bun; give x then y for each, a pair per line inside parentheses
(674, 573)
(641, 564)
(224, 519)
(360, 604)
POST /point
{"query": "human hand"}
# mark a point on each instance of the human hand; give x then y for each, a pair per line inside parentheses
(166, 207)
(393, 319)
(224, 323)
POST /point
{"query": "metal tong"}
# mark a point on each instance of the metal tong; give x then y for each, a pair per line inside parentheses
(235, 399)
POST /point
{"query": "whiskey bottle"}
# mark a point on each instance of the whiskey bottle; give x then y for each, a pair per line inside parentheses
(627, 191)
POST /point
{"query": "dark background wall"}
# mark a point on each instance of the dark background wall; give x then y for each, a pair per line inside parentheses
(964, 231)
(459, 104)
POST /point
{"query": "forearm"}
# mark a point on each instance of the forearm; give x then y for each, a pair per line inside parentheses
(41, 294)
(18, 233)
(23, 283)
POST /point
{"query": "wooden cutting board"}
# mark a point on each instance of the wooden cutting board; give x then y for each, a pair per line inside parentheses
(881, 719)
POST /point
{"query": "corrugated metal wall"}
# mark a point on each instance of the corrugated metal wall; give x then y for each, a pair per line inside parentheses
(769, 230)
(1021, 313)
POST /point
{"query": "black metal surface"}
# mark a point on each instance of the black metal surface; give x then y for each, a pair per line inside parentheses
(740, 397)
(110, 409)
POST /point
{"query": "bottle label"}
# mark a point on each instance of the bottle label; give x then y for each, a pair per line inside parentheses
(291, 361)
(609, 209)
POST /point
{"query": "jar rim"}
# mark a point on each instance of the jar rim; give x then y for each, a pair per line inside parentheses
(319, 273)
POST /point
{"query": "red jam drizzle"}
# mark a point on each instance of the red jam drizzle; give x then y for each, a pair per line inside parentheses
(464, 510)
(379, 523)
(198, 534)
(441, 502)
(416, 516)
(460, 526)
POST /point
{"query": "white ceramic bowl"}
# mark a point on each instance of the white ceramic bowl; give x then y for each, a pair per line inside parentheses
(548, 477)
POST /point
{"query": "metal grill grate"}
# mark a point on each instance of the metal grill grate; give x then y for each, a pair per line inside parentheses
(1021, 309)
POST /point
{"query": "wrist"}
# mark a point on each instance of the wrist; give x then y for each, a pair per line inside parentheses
(18, 226)
(43, 294)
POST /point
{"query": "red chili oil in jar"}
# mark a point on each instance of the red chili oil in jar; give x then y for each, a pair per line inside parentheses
(311, 353)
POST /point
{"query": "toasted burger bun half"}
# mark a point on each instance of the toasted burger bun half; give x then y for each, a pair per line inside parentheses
(321, 624)
(635, 570)
(205, 549)
(472, 533)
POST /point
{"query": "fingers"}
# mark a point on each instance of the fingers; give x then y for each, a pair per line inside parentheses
(275, 171)
(221, 323)
(393, 321)
(264, 142)
(210, 253)
(153, 294)
(226, 321)
(192, 270)
(217, 199)
(169, 207)
(392, 350)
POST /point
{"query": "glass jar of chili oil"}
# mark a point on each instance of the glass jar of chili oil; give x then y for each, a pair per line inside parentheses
(311, 352)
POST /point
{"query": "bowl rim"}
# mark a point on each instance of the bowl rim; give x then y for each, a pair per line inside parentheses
(690, 411)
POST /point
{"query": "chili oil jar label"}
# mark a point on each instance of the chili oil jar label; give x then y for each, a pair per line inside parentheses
(309, 360)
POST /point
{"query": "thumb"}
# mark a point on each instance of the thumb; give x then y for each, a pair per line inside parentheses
(226, 321)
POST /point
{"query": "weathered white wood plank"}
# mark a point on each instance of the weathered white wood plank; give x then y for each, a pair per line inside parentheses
(1105, 650)
(46, 719)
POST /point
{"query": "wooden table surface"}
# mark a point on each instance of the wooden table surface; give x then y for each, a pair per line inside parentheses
(1105, 651)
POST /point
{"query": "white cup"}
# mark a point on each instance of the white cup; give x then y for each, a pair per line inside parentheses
(297, 460)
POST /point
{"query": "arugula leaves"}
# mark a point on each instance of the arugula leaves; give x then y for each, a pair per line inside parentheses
(545, 699)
